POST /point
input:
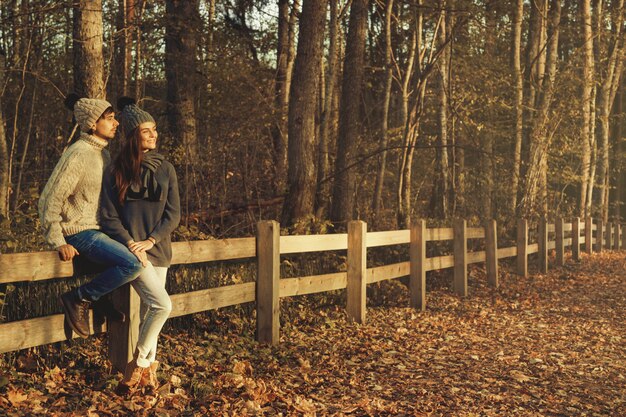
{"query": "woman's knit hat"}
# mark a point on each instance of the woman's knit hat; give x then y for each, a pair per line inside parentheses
(131, 115)
(87, 111)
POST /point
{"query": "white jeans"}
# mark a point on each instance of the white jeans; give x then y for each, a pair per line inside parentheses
(155, 309)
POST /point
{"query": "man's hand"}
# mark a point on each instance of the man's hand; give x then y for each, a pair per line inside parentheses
(142, 256)
(67, 252)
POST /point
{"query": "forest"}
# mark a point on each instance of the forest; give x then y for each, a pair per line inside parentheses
(317, 112)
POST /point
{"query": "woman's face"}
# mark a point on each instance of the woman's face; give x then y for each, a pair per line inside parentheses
(148, 136)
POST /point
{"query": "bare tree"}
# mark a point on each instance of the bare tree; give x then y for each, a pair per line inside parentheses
(384, 126)
(587, 125)
(439, 205)
(4, 152)
(88, 40)
(540, 134)
(281, 96)
(608, 83)
(302, 108)
(328, 119)
(516, 65)
(350, 114)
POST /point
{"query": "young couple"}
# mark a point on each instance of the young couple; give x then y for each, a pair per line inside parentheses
(119, 215)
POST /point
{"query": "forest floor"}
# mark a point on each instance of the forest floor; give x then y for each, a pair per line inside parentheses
(546, 345)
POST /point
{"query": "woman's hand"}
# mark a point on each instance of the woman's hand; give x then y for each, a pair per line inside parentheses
(143, 245)
(142, 256)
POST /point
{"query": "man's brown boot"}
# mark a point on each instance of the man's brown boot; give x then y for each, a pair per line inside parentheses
(76, 312)
(149, 379)
(132, 377)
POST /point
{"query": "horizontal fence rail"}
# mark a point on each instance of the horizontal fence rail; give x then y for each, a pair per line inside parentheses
(267, 248)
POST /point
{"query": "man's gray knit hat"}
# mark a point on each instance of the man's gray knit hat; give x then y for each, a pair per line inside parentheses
(131, 115)
(87, 111)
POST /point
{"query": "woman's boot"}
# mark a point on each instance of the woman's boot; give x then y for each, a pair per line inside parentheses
(132, 378)
(149, 378)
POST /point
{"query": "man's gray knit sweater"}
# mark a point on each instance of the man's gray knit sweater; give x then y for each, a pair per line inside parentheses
(70, 201)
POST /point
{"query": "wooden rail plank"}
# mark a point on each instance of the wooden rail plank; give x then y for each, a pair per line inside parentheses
(532, 248)
(39, 266)
(387, 272)
(213, 250)
(38, 331)
(435, 235)
(394, 237)
(290, 287)
(475, 232)
(551, 244)
(33, 266)
(439, 262)
(313, 243)
(507, 252)
(212, 299)
(476, 257)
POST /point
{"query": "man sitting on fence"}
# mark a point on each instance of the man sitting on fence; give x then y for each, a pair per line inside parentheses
(68, 210)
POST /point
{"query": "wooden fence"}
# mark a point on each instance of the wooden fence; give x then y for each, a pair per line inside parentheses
(268, 246)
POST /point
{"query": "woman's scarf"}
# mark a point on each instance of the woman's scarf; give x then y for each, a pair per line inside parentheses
(148, 188)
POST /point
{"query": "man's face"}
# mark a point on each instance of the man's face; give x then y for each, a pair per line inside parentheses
(106, 126)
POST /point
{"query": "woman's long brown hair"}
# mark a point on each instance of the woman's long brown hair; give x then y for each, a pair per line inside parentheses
(127, 165)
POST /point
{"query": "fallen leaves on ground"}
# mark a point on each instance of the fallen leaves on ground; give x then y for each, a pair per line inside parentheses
(546, 345)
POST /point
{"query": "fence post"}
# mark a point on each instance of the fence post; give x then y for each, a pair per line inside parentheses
(588, 235)
(491, 252)
(357, 270)
(623, 239)
(599, 236)
(542, 241)
(267, 284)
(560, 247)
(417, 284)
(460, 257)
(522, 247)
(125, 334)
(576, 238)
(609, 236)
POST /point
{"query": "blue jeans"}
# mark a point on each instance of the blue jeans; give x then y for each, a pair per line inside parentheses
(100, 248)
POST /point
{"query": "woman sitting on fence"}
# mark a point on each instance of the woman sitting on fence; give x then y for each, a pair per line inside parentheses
(141, 208)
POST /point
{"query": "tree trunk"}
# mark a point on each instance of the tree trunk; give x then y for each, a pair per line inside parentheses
(125, 26)
(491, 20)
(180, 67)
(606, 96)
(328, 121)
(302, 108)
(384, 127)
(518, 17)
(281, 98)
(587, 126)
(350, 115)
(439, 198)
(4, 152)
(88, 40)
(539, 136)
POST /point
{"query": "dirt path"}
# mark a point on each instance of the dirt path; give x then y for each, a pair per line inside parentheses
(547, 345)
